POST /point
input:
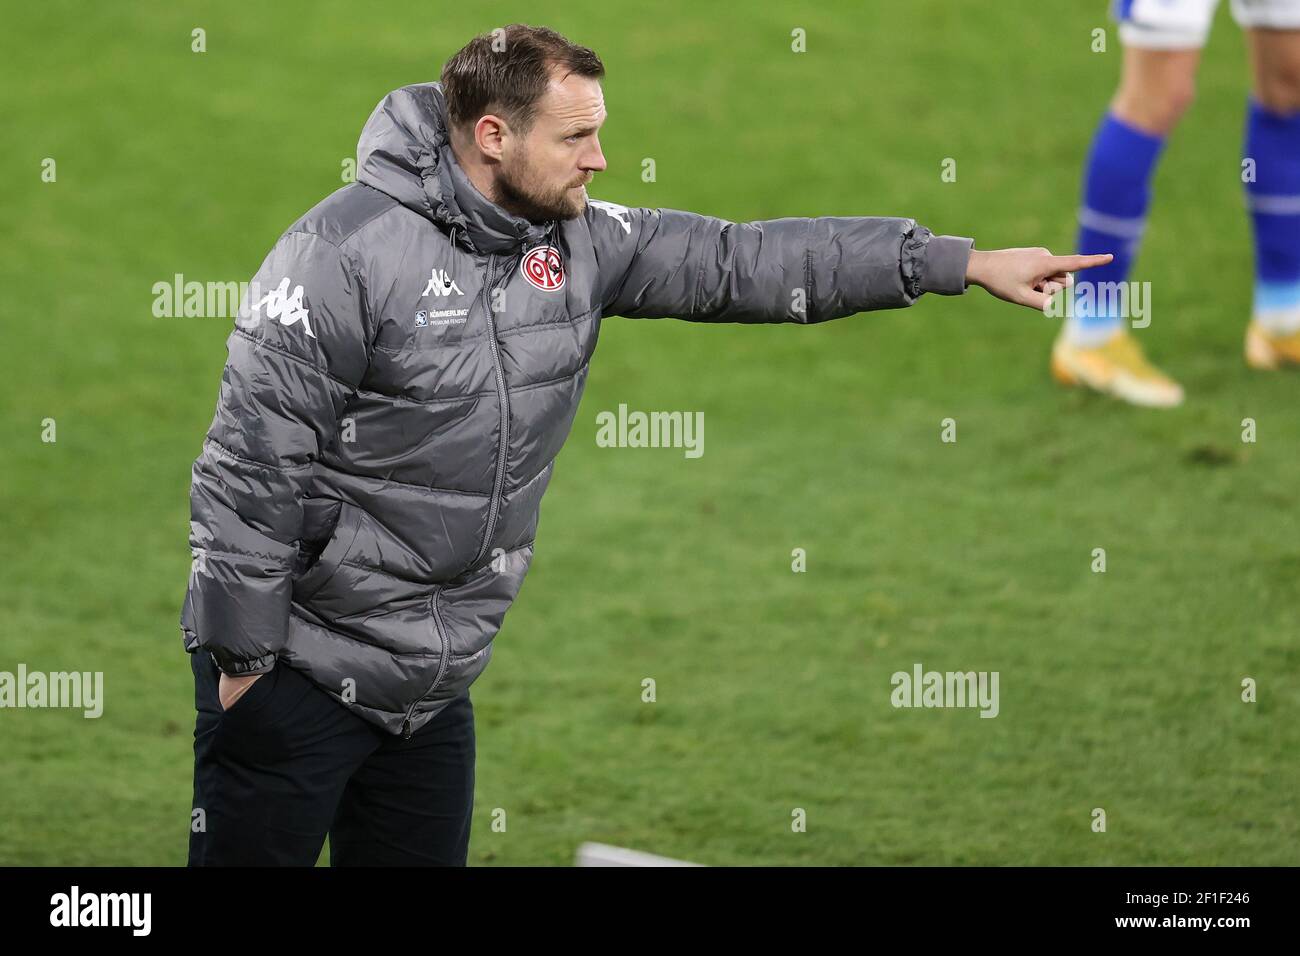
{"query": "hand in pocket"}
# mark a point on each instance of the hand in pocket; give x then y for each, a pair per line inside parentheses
(230, 689)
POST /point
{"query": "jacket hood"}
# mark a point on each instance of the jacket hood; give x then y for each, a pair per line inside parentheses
(405, 151)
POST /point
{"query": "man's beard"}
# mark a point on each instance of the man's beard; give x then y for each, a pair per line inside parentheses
(538, 203)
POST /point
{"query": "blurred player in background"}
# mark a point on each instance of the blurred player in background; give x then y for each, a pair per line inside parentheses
(1162, 42)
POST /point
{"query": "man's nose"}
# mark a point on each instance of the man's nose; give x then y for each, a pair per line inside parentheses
(594, 159)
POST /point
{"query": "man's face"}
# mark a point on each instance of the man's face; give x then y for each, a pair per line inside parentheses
(544, 175)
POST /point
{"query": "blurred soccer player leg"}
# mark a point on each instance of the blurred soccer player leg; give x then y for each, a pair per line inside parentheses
(1272, 152)
(1162, 49)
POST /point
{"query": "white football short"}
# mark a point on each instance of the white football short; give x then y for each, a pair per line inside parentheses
(1185, 24)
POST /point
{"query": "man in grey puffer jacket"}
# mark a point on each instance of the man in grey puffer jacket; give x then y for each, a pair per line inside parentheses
(399, 383)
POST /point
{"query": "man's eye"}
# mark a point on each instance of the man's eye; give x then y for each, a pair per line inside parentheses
(572, 138)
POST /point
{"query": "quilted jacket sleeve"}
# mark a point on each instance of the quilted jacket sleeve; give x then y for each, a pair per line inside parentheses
(297, 354)
(669, 263)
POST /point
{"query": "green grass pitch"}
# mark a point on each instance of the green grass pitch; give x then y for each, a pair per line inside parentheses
(1118, 690)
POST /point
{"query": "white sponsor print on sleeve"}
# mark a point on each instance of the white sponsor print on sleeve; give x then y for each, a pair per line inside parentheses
(620, 214)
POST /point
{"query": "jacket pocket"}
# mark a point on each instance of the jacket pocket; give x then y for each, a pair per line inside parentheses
(336, 550)
(255, 696)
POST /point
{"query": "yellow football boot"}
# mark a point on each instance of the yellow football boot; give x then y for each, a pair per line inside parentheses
(1269, 350)
(1117, 368)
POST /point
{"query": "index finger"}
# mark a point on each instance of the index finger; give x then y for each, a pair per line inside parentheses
(1075, 263)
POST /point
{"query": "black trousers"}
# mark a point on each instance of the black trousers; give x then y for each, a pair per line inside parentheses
(288, 764)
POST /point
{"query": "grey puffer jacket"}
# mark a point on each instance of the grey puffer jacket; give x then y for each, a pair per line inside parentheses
(402, 377)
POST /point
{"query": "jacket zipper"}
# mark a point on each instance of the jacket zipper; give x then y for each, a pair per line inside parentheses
(497, 485)
(442, 664)
(494, 503)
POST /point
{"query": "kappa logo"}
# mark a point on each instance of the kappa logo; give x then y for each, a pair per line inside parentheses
(441, 283)
(620, 214)
(280, 305)
(543, 268)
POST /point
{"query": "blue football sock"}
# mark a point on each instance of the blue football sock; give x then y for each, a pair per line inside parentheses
(1116, 194)
(1272, 142)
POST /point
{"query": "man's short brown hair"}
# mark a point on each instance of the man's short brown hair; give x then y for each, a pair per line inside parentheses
(506, 72)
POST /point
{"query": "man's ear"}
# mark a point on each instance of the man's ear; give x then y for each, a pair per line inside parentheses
(489, 133)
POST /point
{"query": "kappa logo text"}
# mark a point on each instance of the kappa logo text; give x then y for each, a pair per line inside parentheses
(441, 283)
(620, 214)
(280, 305)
